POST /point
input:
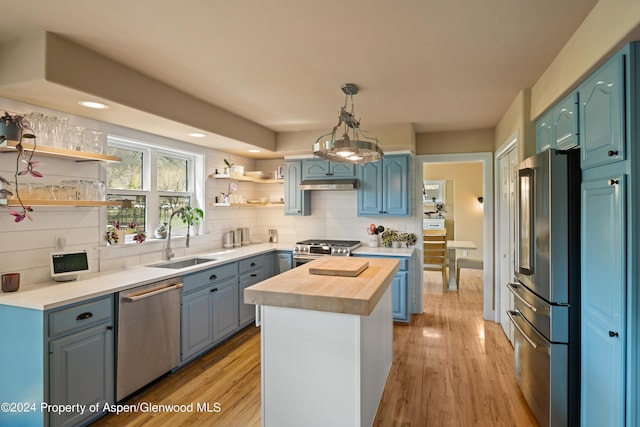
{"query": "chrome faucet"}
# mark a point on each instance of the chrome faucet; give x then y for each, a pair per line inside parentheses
(169, 253)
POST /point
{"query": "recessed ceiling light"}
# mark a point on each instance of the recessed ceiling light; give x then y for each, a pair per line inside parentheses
(94, 105)
(254, 151)
(197, 135)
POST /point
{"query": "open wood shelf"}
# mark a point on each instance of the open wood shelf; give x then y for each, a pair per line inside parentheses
(47, 151)
(247, 178)
(36, 202)
(247, 205)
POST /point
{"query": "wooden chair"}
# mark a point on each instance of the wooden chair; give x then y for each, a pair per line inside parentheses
(475, 263)
(435, 255)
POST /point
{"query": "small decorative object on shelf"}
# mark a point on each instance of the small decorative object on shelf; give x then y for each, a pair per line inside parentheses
(115, 234)
(161, 231)
(13, 128)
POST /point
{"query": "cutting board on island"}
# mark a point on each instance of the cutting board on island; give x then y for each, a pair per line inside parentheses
(338, 266)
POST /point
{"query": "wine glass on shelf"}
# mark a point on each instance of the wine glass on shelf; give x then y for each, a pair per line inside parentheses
(96, 145)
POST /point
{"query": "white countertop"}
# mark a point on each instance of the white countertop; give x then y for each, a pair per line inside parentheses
(51, 294)
(382, 251)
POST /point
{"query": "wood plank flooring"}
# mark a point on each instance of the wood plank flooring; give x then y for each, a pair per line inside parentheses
(450, 368)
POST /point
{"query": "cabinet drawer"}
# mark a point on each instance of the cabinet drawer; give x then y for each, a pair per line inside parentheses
(209, 276)
(251, 263)
(80, 316)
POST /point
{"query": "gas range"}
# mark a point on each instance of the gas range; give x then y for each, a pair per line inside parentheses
(314, 248)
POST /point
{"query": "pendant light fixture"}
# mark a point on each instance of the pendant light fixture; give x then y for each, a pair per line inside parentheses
(354, 146)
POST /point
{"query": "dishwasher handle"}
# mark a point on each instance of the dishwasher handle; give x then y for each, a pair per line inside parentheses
(150, 293)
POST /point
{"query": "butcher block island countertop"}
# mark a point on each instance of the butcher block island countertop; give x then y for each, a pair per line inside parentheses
(298, 288)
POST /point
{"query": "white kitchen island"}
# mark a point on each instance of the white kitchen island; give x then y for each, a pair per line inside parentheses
(327, 345)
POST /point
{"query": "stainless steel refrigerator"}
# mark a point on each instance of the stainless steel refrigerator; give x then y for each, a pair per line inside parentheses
(546, 313)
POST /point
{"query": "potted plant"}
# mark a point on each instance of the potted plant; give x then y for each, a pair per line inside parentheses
(228, 165)
(13, 127)
(115, 233)
(388, 237)
(409, 239)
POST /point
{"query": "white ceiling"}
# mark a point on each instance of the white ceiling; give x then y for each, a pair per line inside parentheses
(441, 65)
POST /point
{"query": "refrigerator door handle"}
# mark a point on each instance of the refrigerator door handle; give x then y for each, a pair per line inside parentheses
(513, 287)
(536, 346)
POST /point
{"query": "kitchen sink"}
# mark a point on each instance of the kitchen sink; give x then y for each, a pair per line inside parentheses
(188, 262)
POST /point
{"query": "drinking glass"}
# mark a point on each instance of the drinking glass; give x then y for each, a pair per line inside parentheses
(50, 130)
(96, 145)
(36, 120)
(61, 132)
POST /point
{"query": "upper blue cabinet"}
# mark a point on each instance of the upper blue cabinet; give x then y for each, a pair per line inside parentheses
(558, 128)
(325, 169)
(296, 201)
(602, 114)
(385, 187)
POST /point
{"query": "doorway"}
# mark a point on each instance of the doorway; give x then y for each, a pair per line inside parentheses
(486, 159)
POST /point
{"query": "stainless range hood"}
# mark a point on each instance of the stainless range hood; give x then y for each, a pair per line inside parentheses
(329, 184)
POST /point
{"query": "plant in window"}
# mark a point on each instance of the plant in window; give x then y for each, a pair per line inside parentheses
(13, 128)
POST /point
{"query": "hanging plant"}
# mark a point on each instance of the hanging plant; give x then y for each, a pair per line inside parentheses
(13, 128)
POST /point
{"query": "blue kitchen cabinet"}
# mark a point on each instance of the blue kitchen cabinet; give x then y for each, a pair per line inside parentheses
(325, 169)
(81, 359)
(603, 299)
(385, 187)
(558, 128)
(401, 287)
(564, 118)
(209, 309)
(602, 109)
(609, 130)
(544, 132)
(196, 331)
(296, 201)
(252, 271)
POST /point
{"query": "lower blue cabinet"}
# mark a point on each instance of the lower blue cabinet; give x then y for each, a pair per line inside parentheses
(401, 287)
(81, 359)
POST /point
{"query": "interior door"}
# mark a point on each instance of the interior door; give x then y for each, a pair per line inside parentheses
(506, 222)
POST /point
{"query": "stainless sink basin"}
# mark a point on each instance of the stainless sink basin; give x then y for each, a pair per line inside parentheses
(182, 263)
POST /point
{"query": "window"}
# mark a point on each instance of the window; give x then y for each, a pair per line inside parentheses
(152, 182)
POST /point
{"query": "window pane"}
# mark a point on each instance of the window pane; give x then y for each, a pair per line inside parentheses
(168, 205)
(127, 174)
(172, 174)
(130, 214)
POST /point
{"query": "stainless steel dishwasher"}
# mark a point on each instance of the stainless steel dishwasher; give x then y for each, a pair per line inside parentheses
(148, 334)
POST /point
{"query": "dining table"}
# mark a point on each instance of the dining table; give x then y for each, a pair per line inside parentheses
(452, 247)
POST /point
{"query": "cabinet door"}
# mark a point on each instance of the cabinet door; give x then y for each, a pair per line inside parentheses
(81, 371)
(296, 201)
(602, 115)
(224, 308)
(247, 312)
(315, 169)
(603, 296)
(565, 122)
(197, 323)
(399, 296)
(396, 186)
(370, 192)
(342, 170)
(544, 132)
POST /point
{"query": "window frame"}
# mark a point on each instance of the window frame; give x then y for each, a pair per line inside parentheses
(151, 151)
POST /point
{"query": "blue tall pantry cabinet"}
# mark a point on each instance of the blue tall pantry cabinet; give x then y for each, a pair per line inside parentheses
(609, 120)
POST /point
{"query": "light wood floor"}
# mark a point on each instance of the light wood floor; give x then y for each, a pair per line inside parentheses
(450, 368)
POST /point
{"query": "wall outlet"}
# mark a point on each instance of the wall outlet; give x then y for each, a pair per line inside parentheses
(465, 253)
